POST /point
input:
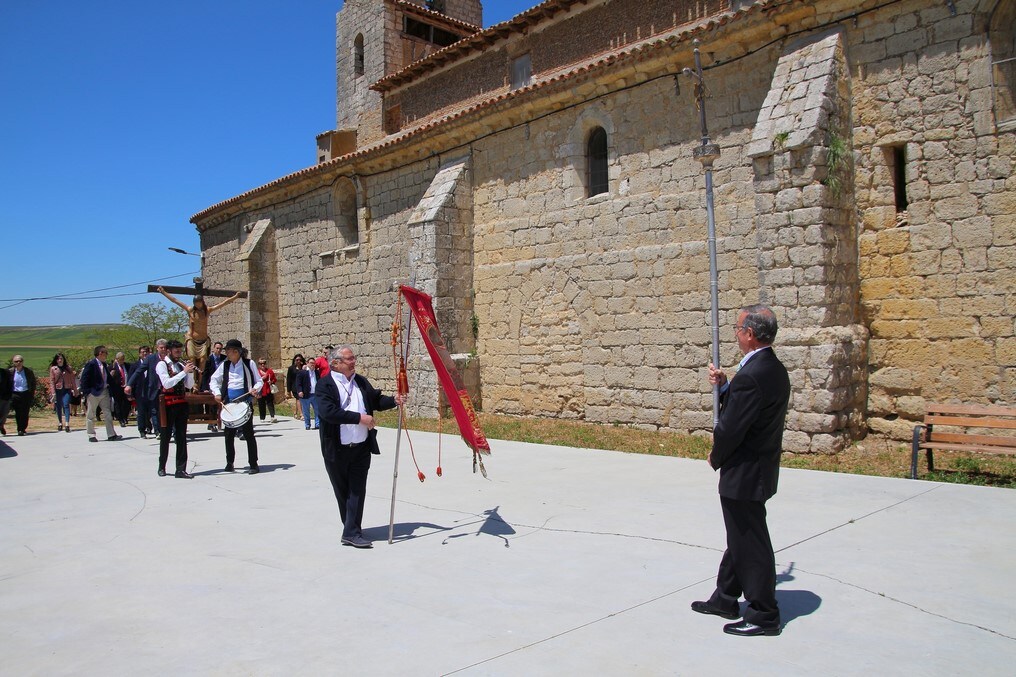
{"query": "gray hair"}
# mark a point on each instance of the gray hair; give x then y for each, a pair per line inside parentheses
(336, 353)
(160, 342)
(761, 320)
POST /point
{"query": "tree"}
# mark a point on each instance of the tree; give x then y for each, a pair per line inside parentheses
(143, 324)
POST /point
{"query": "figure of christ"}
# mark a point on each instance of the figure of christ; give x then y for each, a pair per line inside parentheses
(198, 342)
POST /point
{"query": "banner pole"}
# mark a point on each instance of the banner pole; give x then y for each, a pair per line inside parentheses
(707, 153)
(395, 478)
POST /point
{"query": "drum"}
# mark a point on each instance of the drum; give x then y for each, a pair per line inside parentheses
(235, 414)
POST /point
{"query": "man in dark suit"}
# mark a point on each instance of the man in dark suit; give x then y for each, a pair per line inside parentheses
(96, 381)
(22, 392)
(211, 364)
(121, 403)
(145, 383)
(747, 442)
(136, 377)
(347, 402)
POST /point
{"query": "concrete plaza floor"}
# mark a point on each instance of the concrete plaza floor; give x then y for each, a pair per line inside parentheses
(565, 562)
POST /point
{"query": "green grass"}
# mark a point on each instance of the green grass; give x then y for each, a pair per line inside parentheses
(36, 359)
(76, 335)
(38, 344)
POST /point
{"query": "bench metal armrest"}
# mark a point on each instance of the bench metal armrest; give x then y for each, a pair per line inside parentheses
(916, 447)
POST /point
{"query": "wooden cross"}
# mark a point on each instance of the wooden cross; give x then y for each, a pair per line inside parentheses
(197, 290)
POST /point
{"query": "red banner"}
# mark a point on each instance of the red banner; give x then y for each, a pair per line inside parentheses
(458, 398)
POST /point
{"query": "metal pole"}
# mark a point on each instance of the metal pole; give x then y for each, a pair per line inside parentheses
(706, 154)
(395, 478)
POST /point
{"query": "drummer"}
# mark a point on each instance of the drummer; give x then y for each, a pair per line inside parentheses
(237, 381)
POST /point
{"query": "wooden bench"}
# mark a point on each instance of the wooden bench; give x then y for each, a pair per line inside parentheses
(963, 427)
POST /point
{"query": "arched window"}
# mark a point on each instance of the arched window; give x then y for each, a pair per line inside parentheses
(344, 209)
(596, 162)
(1002, 35)
(358, 55)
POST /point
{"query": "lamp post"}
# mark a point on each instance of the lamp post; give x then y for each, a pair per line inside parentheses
(707, 153)
(201, 256)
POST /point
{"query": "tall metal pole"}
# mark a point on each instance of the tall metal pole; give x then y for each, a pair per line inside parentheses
(707, 153)
(395, 479)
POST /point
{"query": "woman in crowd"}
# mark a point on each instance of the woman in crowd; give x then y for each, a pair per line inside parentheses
(291, 376)
(268, 390)
(62, 387)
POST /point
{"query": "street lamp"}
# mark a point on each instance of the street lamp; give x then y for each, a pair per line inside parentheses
(181, 251)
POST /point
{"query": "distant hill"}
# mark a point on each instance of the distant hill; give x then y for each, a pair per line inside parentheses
(65, 336)
(38, 344)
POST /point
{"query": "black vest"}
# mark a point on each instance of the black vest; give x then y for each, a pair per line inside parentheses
(248, 377)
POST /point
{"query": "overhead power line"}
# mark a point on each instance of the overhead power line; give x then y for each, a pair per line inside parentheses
(80, 296)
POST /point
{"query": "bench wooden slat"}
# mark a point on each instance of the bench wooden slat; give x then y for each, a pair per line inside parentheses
(961, 427)
(980, 440)
(970, 421)
(975, 409)
(957, 446)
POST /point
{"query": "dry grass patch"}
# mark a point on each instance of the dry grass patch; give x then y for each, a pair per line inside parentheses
(872, 456)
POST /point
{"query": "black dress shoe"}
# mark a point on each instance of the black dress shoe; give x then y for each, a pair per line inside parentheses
(747, 629)
(707, 608)
(254, 470)
(93, 439)
(229, 468)
(183, 475)
(162, 473)
(114, 438)
(357, 542)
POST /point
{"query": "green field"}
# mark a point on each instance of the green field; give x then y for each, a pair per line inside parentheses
(38, 344)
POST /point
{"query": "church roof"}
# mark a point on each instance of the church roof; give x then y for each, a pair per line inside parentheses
(436, 17)
(639, 50)
(476, 42)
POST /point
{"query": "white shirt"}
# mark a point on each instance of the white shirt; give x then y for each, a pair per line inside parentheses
(162, 369)
(20, 381)
(351, 399)
(235, 381)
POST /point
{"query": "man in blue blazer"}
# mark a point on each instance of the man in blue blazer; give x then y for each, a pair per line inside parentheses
(145, 383)
(347, 402)
(747, 442)
(96, 381)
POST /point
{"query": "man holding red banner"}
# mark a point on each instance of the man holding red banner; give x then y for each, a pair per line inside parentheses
(347, 403)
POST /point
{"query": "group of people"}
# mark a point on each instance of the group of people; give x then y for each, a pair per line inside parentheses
(301, 382)
(747, 443)
(747, 438)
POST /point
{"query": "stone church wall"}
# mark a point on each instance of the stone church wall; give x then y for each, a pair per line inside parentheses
(597, 308)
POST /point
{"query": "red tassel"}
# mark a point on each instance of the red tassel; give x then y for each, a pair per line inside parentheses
(439, 471)
(421, 475)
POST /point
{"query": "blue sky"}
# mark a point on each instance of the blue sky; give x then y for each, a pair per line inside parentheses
(120, 120)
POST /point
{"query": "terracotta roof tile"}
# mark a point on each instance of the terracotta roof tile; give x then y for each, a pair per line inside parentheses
(638, 51)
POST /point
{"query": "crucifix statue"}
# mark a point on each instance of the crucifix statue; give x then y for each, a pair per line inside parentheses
(197, 341)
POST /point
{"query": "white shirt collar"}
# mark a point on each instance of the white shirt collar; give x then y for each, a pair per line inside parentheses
(744, 360)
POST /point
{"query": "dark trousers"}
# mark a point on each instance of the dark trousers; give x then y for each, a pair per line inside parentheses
(153, 414)
(176, 422)
(144, 407)
(266, 401)
(21, 403)
(248, 436)
(748, 566)
(121, 408)
(348, 475)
